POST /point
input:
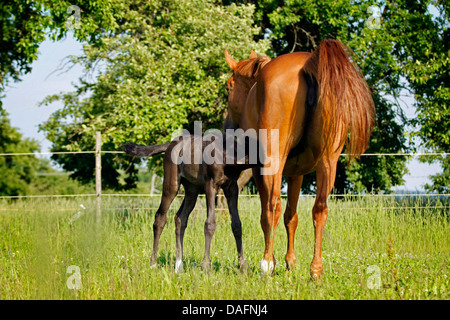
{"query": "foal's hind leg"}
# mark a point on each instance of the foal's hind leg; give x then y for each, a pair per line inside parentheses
(232, 194)
(161, 219)
(181, 220)
(210, 223)
(171, 185)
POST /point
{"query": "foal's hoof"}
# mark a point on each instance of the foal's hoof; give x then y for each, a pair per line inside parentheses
(243, 267)
(178, 266)
(206, 265)
(153, 263)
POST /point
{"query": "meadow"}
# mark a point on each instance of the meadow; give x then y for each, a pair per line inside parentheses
(373, 248)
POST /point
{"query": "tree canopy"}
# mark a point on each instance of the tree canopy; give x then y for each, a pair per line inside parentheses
(399, 45)
(159, 71)
(26, 24)
(16, 172)
(152, 67)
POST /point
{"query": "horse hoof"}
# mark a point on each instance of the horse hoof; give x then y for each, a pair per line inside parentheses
(243, 267)
(153, 263)
(316, 273)
(267, 267)
(290, 264)
(206, 266)
(178, 266)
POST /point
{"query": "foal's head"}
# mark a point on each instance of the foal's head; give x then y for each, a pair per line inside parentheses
(244, 76)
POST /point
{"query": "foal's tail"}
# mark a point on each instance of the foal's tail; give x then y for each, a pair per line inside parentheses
(344, 99)
(139, 150)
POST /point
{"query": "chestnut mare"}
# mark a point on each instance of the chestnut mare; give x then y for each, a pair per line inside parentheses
(318, 102)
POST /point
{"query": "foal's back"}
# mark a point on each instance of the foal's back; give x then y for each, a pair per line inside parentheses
(184, 161)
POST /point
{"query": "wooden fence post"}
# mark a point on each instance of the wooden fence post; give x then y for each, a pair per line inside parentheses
(98, 172)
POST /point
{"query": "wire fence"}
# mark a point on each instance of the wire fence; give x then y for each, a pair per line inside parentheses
(131, 195)
(98, 194)
(397, 154)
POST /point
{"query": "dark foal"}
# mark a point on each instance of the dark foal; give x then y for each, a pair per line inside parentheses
(206, 175)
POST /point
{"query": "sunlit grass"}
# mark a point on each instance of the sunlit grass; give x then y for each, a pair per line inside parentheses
(405, 240)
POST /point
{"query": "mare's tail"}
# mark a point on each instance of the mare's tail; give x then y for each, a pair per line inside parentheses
(139, 150)
(344, 99)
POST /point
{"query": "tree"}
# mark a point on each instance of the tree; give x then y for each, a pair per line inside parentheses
(398, 46)
(16, 172)
(161, 69)
(24, 25)
(427, 68)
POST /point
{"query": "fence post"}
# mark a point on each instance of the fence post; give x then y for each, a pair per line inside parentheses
(98, 172)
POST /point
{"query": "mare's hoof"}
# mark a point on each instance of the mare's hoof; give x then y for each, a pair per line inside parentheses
(316, 273)
(267, 267)
(290, 261)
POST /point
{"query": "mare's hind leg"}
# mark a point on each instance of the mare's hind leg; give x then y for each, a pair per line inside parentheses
(181, 220)
(232, 193)
(269, 191)
(325, 173)
(210, 223)
(291, 217)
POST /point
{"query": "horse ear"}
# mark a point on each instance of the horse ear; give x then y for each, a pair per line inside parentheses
(253, 55)
(231, 62)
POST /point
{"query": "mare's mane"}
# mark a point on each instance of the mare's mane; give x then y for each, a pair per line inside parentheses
(251, 67)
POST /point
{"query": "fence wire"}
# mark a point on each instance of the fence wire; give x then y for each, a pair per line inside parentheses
(443, 154)
(417, 154)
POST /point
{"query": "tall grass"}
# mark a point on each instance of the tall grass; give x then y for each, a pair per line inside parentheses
(406, 242)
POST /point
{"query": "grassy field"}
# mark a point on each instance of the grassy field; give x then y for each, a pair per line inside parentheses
(48, 252)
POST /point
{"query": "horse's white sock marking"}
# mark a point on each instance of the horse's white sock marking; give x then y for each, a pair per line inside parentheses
(178, 266)
(266, 266)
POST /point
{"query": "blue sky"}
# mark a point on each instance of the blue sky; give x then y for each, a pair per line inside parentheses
(22, 98)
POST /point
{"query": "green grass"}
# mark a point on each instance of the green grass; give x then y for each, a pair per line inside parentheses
(407, 241)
